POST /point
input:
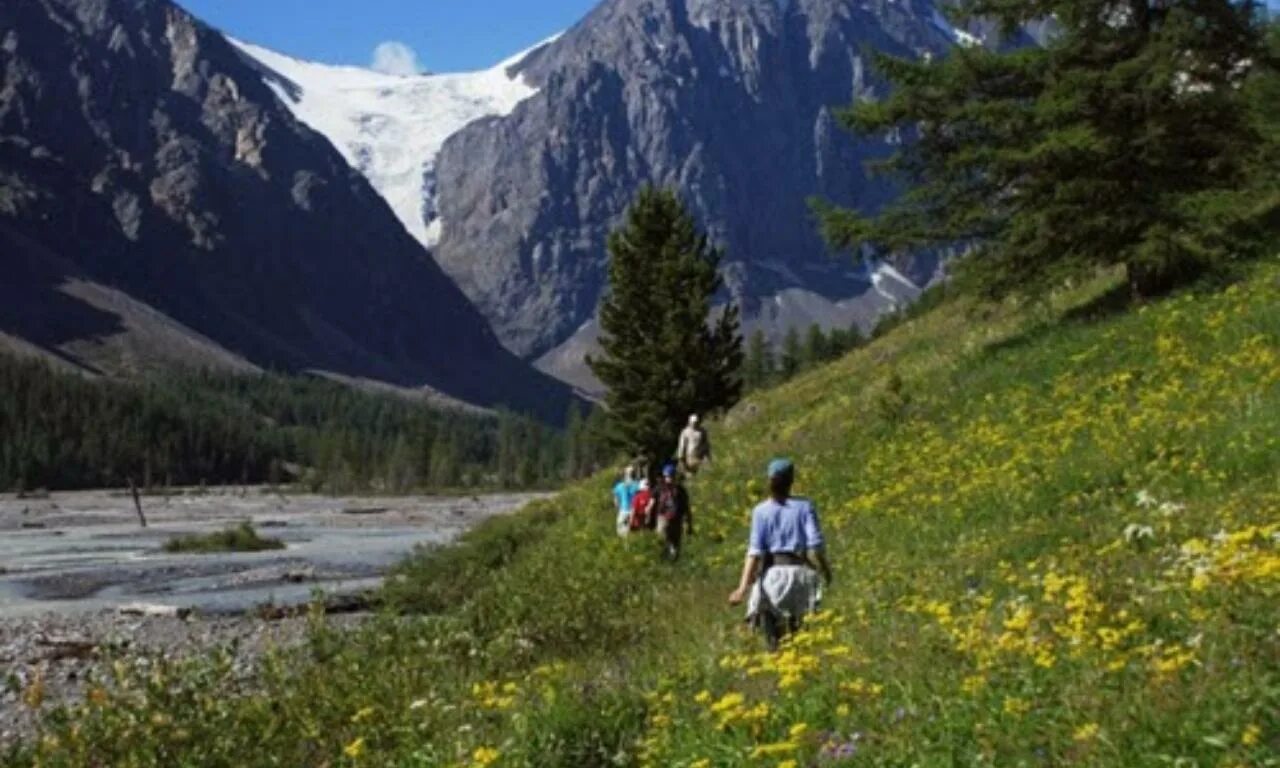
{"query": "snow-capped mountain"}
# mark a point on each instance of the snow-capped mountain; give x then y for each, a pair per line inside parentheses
(391, 127)
(515, 175)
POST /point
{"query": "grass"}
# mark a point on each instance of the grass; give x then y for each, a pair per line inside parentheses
(240, 538)
(1056, 535)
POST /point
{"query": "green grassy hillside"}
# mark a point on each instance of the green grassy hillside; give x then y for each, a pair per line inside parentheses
(1056, 534)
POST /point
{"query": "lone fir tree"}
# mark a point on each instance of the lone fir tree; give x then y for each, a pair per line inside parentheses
(664, 355)
(1126, 139)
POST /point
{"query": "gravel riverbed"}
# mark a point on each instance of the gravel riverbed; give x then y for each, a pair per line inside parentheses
(71, 565)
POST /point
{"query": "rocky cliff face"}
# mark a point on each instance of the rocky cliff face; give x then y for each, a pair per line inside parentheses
(149, 179)
(730, 101)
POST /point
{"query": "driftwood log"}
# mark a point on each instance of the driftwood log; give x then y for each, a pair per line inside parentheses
(137, 502)
(154, 609)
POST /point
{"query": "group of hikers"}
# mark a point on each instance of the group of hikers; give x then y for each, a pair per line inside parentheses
(786, 564)
(663, 507)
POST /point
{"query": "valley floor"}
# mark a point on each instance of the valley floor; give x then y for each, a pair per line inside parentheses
(70, 561)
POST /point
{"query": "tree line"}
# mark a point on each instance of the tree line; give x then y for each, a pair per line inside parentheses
(61, 430)
(766, 365)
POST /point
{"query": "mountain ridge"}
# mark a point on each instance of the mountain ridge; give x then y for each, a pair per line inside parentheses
(142, 155)
(729, 102)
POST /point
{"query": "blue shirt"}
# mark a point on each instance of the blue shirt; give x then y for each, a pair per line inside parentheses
(623, 493)
(789, 527)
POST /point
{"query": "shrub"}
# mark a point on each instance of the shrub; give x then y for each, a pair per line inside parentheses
(241, 538)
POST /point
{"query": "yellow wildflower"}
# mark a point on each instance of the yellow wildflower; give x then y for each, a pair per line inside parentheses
(777, 748)
(355, 749)
(1251, 735)
(727, 702)
(973, 684)
(1086, 732)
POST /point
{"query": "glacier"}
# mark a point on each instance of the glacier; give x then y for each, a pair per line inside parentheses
(391, 127)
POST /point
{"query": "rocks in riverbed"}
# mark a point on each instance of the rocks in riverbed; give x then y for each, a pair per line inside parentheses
(67, 647)
(65, 652)
(153, 609)
(364, 510)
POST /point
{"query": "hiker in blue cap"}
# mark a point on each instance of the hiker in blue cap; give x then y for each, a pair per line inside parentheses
(673, 511)
(784, 554)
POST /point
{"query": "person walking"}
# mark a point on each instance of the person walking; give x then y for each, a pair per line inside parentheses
(694, 448)
(675, 516)
(642, 507)
(623, 493)
(785, 551)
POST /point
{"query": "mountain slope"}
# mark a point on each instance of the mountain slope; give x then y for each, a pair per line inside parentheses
(1056, 541)
(729, 101)
(515, 175)
(142, 157)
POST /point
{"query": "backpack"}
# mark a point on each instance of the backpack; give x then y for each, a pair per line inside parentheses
(668, 507)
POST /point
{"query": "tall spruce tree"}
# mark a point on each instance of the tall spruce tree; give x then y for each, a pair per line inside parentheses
(1263, 93)
(1126, 139)
(757, 368)
(790, 361)
(815, 346)
(664, 354)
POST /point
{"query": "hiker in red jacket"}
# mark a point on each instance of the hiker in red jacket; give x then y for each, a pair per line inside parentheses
(642, 507)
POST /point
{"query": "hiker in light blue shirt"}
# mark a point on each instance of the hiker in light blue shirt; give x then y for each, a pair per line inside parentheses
(623, 493)
(783, 551)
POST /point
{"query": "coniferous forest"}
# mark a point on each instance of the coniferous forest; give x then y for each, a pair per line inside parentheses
(64, 431)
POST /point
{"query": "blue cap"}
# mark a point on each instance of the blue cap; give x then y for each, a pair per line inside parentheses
(780, 467)
(669, 469)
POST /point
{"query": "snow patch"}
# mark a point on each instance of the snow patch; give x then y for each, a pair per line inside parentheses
(891, 284)
(391, 127)
(957, 35)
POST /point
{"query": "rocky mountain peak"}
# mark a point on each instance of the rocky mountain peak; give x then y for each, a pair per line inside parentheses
(730, 101)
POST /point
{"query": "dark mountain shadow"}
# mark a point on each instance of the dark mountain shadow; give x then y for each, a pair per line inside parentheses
(33, 306)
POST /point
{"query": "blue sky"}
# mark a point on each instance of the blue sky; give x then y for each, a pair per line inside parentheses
(446, 35)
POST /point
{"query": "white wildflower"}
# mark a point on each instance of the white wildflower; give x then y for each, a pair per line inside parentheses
(1145, 499)
(1135, 532)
